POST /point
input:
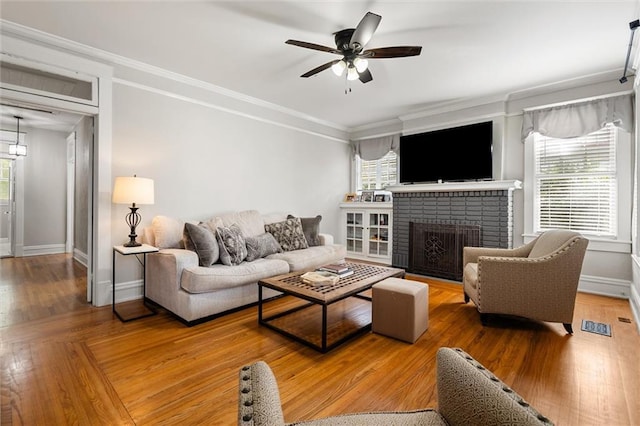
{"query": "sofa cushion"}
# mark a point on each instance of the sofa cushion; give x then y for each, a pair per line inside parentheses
(250, 222)
(288, 233)
(261, 246)
(312, 257)
(232, 245)
(311, 229)
(198, 279)
(167, 232)
(200, 239)
(471, 274)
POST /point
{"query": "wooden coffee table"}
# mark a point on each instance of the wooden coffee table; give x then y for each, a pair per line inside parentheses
(299, 322)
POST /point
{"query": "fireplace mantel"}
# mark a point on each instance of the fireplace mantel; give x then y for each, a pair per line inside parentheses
(489, 185)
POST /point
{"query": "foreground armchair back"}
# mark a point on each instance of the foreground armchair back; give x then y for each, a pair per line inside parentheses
(537, 281)
(468, 394)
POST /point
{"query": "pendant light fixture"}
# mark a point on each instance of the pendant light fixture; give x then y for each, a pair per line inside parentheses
(17, 149)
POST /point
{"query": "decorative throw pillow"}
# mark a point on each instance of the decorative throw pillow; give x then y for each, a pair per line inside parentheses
(261, 246)
(200, 239)
(233, 249)
(288, 233)
(311, 229)
(167, 232)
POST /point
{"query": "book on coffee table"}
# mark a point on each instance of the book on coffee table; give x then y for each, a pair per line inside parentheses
(336, 268)
(319, 278)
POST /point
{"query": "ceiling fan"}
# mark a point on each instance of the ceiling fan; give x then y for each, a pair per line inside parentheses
(350, 44)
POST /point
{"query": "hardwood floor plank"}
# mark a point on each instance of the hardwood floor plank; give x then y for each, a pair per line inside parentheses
(65, 362)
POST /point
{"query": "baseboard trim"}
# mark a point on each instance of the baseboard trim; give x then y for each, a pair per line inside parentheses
(81, 257)
(604, 286)
(634, 302)
(128, 291)
(43, 249)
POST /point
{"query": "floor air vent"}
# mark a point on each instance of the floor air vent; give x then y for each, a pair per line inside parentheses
(596, 327)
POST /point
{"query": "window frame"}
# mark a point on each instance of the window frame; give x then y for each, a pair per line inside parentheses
(358, 163)
(612, 219)
(621, 241)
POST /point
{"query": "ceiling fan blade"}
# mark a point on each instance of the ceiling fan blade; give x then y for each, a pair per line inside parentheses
(364, 31)
(392, 52)
(313, 46)
(320, 68)
(365, 76)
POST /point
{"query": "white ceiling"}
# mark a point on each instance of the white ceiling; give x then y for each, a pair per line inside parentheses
(470, 49)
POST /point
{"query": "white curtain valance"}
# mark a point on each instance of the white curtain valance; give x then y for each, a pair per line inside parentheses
(375, 148)
(579, 119)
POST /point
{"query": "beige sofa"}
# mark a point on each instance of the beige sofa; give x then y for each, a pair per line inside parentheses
(193, 293)
(468, 394)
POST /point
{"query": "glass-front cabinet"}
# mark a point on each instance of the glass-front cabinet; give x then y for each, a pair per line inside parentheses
(367, 230)
(355, 228)
(379, 233)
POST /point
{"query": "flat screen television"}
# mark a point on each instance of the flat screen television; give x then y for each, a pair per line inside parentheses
(456, 154)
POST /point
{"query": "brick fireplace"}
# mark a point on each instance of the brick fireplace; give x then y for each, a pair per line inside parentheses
(486, 206)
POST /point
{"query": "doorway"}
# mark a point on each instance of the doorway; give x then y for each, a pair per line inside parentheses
(46, 196)
(6, 206)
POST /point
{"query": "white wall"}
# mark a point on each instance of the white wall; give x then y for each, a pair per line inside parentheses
(45, 192)
(205, 161)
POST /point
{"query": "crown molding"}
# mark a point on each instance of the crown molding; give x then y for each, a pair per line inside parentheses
(40, 37)
(571, 83)
(224, 109)
(456, 105)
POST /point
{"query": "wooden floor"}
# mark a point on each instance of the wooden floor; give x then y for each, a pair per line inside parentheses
(65, 362)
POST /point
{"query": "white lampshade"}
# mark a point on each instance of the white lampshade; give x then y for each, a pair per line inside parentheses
(360, 64)
(352, 73)
(130, 190)
(338, 67)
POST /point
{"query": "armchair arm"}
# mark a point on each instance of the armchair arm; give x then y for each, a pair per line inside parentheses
(471, 254)
(258, 396)
(164, 272)
(469, 394)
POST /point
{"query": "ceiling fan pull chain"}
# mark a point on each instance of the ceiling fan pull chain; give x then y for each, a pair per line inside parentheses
(347, 86)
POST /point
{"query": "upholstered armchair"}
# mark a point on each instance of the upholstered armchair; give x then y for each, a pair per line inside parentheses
(538, 281)
(468, 394)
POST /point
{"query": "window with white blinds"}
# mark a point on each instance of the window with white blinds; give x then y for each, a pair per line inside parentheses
(378, 174)
(576, 183)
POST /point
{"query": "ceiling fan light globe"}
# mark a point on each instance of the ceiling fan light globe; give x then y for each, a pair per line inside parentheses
(352, 73)
(338, 68)
(360, 64)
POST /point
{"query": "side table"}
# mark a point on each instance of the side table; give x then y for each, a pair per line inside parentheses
(127, 251)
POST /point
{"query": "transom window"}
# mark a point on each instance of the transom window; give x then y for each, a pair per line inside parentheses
(576, 183)
(377, 174)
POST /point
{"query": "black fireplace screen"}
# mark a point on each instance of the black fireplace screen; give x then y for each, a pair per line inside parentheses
(435, 249)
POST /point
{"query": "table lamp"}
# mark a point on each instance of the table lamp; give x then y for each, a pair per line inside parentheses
(133, 190)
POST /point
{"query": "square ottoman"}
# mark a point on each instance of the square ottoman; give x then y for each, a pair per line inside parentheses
(400, 309)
